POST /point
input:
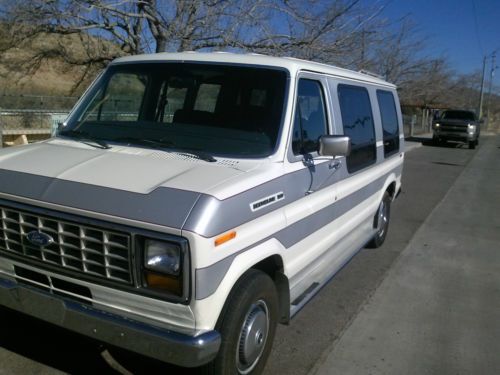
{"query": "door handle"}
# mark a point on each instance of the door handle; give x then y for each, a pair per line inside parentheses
(335, 164)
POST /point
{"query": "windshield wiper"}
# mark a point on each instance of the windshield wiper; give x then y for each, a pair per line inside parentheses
(85, 138)
(162, 144)
(145, 142)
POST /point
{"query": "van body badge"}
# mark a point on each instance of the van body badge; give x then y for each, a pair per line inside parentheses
(267, 201)
(39, 238)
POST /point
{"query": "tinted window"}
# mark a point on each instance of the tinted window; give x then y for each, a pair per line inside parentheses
(121, 101)
(206, 98)
(310, 117)
(221, 110)
(357, 121)
(176, 99)
(390, 125)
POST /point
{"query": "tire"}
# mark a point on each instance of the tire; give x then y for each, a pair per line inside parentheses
(472, 145)
(247, 326)
(381, 222)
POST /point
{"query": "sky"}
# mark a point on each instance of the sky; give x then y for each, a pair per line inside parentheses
(463, 31)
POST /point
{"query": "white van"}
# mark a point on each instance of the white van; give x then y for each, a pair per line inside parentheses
(193, 201)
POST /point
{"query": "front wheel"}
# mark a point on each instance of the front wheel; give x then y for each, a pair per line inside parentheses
(247, 326)
(472, 145)
(381, 222)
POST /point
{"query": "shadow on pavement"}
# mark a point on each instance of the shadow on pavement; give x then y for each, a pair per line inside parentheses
(69, 352)
(54, 347)
(425, 141)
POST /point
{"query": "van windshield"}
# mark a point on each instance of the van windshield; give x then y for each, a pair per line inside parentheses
(233, 111)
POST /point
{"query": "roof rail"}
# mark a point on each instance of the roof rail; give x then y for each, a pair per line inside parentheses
(367, 72)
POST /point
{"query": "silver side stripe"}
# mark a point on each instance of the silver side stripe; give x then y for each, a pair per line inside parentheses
(209, 278)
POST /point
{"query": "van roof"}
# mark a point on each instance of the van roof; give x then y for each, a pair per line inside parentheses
(290, 63)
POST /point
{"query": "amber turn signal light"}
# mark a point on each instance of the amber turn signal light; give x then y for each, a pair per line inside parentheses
(164, 282)
(224, 238)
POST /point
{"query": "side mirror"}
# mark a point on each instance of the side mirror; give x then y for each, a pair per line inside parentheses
(334, 145)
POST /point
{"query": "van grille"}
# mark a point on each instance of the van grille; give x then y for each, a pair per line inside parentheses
(455, 129)
(73, 247)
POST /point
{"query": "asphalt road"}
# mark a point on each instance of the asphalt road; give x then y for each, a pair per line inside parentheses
(438, 309)
(28, 346)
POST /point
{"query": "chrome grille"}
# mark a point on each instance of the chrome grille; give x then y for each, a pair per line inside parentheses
(456, 129)
(91, 251)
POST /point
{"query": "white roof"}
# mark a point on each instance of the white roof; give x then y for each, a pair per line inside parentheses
(290, 63)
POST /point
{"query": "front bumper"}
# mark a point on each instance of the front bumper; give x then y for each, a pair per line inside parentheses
(455, 136)
(151, 341)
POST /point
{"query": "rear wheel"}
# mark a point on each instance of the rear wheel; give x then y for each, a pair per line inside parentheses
(381, 222)
(247, 326)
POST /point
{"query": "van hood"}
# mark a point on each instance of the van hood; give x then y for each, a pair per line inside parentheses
(146, 185)
(130, 169)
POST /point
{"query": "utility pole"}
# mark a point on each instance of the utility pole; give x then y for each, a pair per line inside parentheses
(480, 109)
(492, 74)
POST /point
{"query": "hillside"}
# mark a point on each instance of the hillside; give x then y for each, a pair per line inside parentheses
(48, 65)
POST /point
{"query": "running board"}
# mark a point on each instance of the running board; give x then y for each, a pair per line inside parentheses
(301, 300)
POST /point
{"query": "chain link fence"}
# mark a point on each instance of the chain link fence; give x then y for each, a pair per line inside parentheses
(415, 125)
(26, 118)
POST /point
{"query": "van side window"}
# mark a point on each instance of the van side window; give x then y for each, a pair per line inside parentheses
(357, 119)
(390, 123)
(206, 99)
(310, 117)
(176, 98)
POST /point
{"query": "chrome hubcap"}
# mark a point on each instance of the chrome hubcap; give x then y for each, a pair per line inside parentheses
(253, 337)
(382, 219)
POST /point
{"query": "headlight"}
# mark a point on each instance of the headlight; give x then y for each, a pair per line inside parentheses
(471, 128)
(436, 125)
(162, 257)
(165, 267)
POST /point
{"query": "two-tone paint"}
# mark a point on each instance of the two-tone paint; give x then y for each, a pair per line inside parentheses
(309, 217)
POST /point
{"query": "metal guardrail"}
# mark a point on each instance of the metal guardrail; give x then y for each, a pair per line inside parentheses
(29, 122)
(26, 131)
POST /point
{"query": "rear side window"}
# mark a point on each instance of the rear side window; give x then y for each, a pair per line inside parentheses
(206, 98)
(390, 123)
(176, 98)
(310, 117)
(357, 120)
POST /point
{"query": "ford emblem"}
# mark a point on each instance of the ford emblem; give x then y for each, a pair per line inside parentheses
(39, 238)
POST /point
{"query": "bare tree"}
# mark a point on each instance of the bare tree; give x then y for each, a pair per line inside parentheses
(313, 29)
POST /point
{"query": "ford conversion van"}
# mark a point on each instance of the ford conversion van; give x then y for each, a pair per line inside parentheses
(192, 201)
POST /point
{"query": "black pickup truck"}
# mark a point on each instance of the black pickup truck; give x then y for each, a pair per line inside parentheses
(457, 125)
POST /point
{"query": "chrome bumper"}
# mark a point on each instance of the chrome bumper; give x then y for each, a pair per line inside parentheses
(456, 135)
(161, 344)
